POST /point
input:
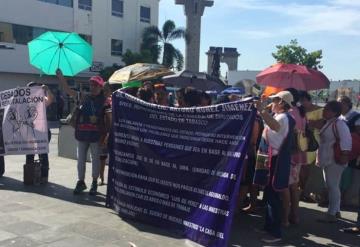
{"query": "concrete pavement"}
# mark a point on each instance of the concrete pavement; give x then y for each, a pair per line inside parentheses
(50, 215)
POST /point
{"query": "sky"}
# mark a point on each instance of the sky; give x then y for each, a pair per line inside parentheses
(256, 27)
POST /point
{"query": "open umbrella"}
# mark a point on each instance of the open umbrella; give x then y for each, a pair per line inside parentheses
(234, 90)
(291, 75)
(201, 81)
(66, 51)
(139, 72)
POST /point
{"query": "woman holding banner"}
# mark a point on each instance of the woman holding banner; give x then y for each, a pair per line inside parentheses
(88, 128)
(44, 158)
(273, 159)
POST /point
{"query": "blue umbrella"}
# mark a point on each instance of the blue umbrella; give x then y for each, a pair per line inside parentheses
(234, 90)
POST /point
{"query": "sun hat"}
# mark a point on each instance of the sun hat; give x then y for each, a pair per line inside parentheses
(286, 96)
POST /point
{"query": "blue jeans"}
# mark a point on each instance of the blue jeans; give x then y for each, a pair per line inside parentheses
(273, 206)
(82, 150)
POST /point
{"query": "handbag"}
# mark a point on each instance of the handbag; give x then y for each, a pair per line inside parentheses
(355, 148)
(313, 145)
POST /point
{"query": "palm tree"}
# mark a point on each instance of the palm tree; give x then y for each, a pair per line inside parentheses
(152, 36)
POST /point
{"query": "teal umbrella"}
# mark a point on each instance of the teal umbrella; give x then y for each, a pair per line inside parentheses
(66, 51)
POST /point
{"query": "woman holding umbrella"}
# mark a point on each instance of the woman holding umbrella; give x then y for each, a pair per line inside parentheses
(88, 129)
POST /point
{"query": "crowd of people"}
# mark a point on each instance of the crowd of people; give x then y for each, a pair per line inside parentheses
(289, 137)
(283, 121)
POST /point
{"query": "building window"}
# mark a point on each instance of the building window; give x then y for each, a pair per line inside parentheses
(85, 4)
(66, 3)
(145, 14)
(19, 34)
(116, 47)
(87, 38)
(22, 34)
(117, 8)
(6, 33)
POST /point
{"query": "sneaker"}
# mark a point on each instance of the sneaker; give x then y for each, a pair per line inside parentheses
(93, 188)
(271, 240)
(80, 187)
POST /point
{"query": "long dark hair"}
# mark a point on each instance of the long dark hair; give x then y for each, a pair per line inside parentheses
(296, 96)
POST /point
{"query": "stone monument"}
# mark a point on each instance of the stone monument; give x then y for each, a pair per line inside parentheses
(227, 55)
(194, 9)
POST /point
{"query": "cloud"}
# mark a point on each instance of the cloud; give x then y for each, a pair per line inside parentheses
(332, 16)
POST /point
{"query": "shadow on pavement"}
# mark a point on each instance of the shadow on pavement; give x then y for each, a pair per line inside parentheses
(53, 190)
(309, 232)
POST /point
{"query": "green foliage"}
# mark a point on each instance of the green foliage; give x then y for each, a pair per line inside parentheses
(108, 71)
(293, 53)
(156, 40)
(130, 57)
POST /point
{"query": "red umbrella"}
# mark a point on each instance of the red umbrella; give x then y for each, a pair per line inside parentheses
(291, 75)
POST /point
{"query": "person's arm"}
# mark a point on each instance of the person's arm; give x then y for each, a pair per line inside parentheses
(64, 84)
(49, 96)
(268, 119)
(345, 140)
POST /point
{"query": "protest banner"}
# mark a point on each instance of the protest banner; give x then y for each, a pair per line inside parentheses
(178, 168)
(24, 126)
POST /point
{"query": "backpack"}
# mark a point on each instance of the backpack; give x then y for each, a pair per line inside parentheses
(351, 122)
(88, 127)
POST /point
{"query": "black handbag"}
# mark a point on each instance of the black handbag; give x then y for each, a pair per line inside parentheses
(313, 145)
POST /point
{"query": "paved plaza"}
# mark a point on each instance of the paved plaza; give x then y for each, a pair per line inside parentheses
(51, 215)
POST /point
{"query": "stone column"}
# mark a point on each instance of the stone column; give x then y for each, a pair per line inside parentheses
(194, 9)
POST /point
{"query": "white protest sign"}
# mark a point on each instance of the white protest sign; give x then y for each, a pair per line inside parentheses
(24, 125)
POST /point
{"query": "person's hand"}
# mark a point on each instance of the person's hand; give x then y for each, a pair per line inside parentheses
(259, 105)
(59, 73)
(45, 87)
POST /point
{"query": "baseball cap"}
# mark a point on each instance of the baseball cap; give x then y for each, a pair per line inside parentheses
(99, 81)
(285, 96)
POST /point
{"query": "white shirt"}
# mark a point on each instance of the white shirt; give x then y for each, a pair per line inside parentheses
(325, 154)
(275, 139)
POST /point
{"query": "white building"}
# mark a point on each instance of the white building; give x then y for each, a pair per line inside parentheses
(111, 26)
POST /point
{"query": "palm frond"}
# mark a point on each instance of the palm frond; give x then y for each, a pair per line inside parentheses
(169, 55)
(152, 32)
(178, 33)
(167, 29)
(179, 60)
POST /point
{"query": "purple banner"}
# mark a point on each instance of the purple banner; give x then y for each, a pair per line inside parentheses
(178, 168)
